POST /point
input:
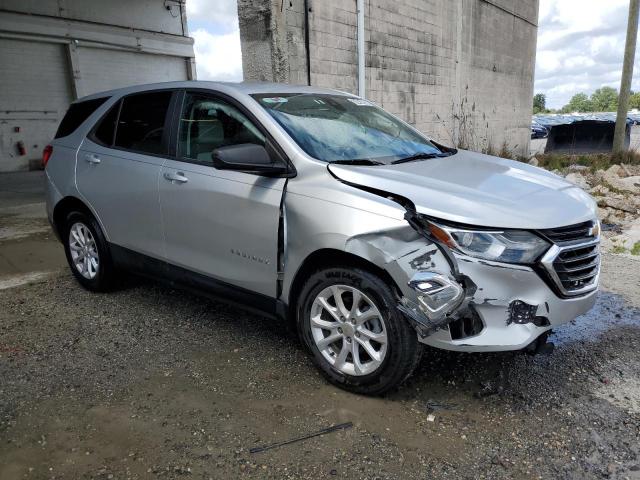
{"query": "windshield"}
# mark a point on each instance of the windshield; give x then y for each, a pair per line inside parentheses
(337, 128)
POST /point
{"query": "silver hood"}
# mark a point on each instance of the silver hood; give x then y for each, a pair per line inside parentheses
(478, 189)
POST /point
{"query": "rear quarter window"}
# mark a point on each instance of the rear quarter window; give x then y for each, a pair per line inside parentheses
(77, 114)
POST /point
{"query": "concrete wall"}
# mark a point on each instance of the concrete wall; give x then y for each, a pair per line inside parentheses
(54, 51)
(459, 70)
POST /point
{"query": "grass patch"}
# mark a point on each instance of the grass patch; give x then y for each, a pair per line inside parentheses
(599, 161)
(619, 249)
(635, 250)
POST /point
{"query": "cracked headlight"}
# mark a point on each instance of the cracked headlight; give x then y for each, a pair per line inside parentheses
(508, 246)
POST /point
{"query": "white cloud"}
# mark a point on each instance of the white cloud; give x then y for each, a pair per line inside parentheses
(213, 24)
(222, 12)
(218, 57)
(580, 47)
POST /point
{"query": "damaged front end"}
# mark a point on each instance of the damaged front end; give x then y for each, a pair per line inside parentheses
(431, 296)
(459, 302)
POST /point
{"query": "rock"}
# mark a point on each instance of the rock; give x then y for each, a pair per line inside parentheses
(629, 184)
(534, 161)
(599, 190)
(578, 168)
(626, 170)
(615, 170)
(578, 180)
(611, 179)
(629, 237)
(617, 204)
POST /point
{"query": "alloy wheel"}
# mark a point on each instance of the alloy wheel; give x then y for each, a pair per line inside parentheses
(84, 251)
(348, 330)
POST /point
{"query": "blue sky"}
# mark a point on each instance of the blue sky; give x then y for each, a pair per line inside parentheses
(580, 45)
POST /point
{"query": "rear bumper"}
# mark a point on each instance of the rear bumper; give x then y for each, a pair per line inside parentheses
(498, 287)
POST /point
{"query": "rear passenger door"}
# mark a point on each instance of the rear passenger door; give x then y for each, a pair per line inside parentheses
(220, 223)
(118, 168)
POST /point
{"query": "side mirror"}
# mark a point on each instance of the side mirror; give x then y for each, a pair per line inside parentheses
(247, 157)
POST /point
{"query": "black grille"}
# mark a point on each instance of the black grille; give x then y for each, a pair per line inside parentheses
(572, 233)
(578, 267)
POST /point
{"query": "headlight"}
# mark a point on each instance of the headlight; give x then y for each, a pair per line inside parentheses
(508, 246)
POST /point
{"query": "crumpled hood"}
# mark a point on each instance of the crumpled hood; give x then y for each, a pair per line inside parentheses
(478, 189)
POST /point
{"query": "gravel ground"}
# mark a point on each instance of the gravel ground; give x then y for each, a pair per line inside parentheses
(149, 382)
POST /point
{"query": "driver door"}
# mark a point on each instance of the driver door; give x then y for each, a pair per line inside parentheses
(219, 223)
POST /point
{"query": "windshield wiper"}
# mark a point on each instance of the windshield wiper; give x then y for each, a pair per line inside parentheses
(422, 156)
(361, 161)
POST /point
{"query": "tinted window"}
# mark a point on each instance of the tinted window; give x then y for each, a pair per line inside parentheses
(207, 123)
(107, 127)
(77, 114)
(141, 122)
(340, 128)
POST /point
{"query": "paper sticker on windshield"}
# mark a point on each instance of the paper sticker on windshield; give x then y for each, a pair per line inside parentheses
(274, 100)
(360, 102)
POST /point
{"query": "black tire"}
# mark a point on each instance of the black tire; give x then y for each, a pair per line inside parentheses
(403, 348)
(104, 279)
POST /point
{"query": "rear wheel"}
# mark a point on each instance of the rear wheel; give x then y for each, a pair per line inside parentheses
(348, 321)
(88, 252)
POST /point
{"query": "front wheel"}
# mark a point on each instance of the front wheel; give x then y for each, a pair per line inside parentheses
(348, 320)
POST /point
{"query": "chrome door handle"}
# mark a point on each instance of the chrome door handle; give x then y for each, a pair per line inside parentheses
(177, 177)
(92, 158)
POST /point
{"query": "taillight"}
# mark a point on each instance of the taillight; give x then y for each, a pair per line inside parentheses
(46, 155)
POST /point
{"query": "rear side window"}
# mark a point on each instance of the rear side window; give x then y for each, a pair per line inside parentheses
(142, 121)
(106, 130)
(77, 114)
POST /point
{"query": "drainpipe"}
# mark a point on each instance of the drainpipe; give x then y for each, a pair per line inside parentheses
(360, 36)
(306, 40)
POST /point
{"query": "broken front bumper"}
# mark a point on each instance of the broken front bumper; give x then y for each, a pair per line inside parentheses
(511, 307)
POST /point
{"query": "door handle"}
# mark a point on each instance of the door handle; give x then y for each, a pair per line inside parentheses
(92, 158)
(177, 177)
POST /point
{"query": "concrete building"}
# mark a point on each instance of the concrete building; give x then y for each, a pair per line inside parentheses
(459, 70)
(54, 51)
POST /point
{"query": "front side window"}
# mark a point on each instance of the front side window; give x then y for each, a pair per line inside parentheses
(142, 122)
(337, 128)
(207, 123)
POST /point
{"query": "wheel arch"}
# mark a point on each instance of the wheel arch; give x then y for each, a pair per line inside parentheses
(63, 208)
(330, 257)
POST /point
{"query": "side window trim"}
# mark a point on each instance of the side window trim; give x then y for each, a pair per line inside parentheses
(92, 133)
(270, 142)
(166, 134)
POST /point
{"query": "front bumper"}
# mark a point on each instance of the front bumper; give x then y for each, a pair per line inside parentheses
(498, 287)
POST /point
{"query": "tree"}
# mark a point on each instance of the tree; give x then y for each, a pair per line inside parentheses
(580, 102)
(605, 99)
(539, 103)
(634, 100)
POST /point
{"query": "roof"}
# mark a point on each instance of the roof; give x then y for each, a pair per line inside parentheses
(247, 88)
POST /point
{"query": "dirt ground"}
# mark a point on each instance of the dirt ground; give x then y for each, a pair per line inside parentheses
(149, 382)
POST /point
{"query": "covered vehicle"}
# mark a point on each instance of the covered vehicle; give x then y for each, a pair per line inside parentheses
(319, 207)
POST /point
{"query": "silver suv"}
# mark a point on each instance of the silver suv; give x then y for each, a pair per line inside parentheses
(319, 207)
